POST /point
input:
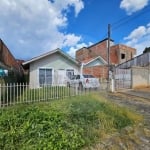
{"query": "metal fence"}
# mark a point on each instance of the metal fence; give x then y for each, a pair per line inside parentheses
(123, 79)
(11, 94)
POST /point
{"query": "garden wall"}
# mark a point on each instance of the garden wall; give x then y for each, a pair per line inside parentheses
(140, 77)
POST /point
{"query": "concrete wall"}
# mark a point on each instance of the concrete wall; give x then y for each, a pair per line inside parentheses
(140, 77)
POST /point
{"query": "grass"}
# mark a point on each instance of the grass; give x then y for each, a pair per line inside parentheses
(71, 123)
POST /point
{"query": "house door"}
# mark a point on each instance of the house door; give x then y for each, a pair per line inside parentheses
(61, 77)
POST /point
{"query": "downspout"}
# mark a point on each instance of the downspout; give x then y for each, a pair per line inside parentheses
(81, 69)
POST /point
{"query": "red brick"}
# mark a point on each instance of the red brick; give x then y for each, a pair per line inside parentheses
(100, 49)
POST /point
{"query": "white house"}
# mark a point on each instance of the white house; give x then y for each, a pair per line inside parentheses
(52, 68)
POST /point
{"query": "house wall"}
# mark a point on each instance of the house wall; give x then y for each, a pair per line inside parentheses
(140, 77)
(96, 71)
(82, 54)
(128, 51)
(99, 49)
(7, 58)
(55, 62)
(8, 62)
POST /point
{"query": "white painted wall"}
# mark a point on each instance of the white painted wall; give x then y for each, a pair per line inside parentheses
(55, 61)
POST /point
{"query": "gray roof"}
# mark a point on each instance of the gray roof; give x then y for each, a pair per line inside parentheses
(50, 53)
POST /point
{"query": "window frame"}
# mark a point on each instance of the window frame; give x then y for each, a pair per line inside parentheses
(45, 68)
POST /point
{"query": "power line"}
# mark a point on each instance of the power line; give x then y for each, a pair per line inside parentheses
(127, 19)
(122, 21)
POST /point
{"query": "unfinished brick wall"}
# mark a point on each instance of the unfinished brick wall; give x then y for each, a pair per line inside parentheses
(114, 54)
(82, 54)
(101, 49)
(128, 51)
(7, 58)
(98, 49)
(96, 71)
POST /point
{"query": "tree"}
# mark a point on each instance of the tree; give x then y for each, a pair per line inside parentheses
(146, 50)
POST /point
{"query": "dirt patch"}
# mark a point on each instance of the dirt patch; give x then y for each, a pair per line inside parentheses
(143, 89)
(130, 138)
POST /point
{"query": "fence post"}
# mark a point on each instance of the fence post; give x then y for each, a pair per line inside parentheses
(10, 94)
(76, 89)
(0, 95)
(112, 85)
(14, 95)
(7, 94)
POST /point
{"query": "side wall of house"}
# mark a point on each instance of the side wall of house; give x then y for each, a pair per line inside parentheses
(6, 57)
(82, 54)
(7, 61)
(96, 71)
(99, 49)
(125, 53)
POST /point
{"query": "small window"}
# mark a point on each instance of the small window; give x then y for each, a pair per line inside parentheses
(123, 56)
(69, 73)
(78, 77)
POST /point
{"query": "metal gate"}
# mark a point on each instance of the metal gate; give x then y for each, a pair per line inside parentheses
(122, 79)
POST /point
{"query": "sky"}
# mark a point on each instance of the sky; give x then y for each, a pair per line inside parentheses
(30, 28)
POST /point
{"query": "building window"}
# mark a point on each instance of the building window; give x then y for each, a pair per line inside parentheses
(69, 73)
(123, 56)
(45, 76)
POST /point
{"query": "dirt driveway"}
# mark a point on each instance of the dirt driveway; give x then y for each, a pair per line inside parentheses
(142, 92)
(137, 138)
(138, 99)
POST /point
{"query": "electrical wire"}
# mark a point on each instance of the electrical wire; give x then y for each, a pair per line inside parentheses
(122, 21)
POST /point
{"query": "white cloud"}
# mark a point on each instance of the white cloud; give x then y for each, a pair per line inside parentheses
(73, 49)
(78, 5)
(71, 40)
(33, 27)
(137, 33)
(139, 38)
(132, 6)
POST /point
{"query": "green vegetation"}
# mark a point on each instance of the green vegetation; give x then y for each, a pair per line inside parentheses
(69, 124)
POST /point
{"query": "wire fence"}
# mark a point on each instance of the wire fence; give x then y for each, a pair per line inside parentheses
(17, 93)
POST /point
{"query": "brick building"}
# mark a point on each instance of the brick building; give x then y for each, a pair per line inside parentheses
(94, 57)
(8, 61)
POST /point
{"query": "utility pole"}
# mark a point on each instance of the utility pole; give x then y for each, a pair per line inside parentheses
(108, 56)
